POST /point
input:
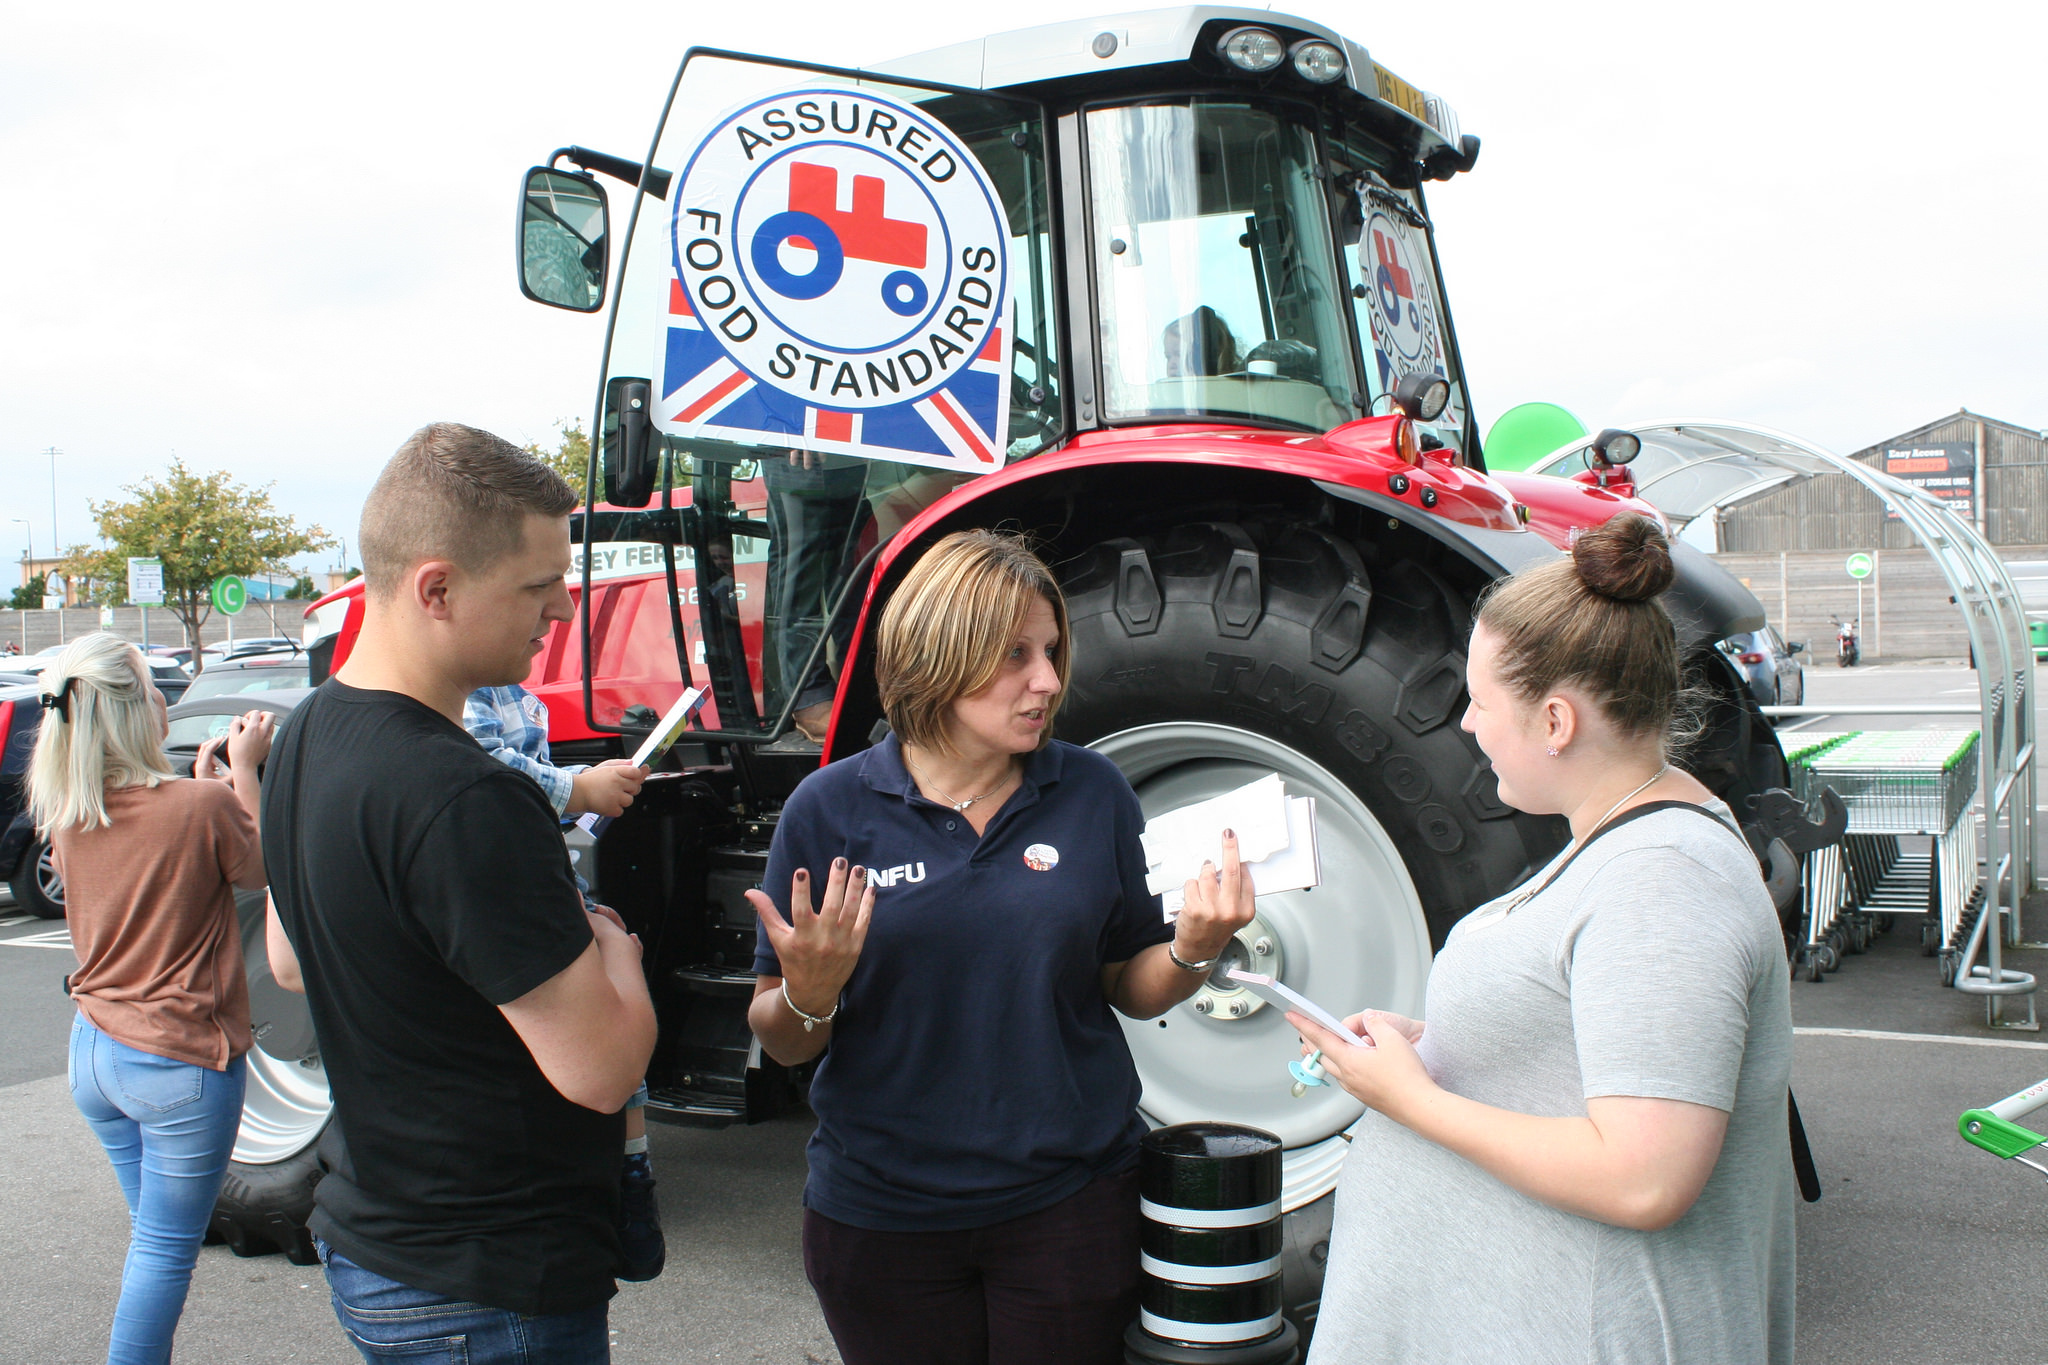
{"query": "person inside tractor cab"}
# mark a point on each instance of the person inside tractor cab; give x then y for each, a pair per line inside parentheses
(1199, 344)
(815, 509)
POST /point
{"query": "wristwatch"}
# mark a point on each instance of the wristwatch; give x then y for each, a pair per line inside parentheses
(1184, 964)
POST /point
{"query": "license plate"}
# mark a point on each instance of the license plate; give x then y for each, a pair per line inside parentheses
(1400, 94)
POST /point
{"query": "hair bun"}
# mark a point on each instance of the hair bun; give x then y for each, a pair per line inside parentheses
(1628, 558)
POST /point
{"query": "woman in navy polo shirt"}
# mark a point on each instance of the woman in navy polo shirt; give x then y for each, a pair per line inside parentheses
(965, 907)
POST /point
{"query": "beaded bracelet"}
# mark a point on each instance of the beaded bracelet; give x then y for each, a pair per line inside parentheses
(811, 1021)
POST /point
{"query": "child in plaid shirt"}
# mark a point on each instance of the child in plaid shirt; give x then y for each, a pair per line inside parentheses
(512, 724)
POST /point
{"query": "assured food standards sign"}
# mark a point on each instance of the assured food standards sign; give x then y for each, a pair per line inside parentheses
(840, 276)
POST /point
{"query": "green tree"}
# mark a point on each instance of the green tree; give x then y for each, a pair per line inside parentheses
(201, 526)
(29, 596)
(303, 590)
(101, 581)
(571, 456)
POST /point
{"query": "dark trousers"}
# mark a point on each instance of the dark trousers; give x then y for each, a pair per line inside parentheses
(1056, 1287)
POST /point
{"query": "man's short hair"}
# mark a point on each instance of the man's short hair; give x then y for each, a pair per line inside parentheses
(454, 493)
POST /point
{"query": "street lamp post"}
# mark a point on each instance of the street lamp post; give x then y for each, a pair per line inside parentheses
(30, 532)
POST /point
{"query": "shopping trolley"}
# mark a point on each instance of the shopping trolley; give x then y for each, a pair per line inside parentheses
(1997, 1129)
(1895, 784)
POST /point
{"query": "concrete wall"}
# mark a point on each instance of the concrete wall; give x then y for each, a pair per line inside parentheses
(1906, 611)
(32, 630)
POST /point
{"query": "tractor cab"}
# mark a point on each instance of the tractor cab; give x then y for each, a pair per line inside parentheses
(1197, 218)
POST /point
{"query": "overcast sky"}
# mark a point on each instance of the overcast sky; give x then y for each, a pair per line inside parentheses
(276, 239)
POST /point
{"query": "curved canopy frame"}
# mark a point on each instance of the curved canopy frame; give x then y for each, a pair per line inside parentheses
(1689, 468)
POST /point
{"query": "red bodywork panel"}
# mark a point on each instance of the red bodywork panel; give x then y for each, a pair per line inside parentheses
(1559, 507)
(1359, 454)
(630, 633)
(630, 636)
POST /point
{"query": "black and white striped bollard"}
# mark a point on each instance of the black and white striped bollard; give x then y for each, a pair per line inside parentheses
(1210, 1270)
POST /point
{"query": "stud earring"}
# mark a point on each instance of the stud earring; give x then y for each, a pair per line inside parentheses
(1551, 750)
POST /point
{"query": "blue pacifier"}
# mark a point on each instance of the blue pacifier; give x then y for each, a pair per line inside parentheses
(1307, 1072)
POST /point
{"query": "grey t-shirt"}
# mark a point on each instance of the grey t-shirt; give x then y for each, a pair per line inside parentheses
(1652, 966)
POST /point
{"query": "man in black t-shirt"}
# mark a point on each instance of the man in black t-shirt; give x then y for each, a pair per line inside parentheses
(481, 1031)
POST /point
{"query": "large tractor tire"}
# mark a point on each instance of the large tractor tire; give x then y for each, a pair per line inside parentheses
(36, 886)
(1218, 652)
(268, 1192)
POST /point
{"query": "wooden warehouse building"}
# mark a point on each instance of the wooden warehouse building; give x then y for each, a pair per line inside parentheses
(1790, 543)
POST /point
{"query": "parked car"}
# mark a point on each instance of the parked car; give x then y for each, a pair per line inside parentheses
(169, 676)
(195, 722)
(1769, 665)
(24, 859)
(243, 673)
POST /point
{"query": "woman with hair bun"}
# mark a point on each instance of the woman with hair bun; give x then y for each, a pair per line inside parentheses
(150, 864)
(1583, 1154)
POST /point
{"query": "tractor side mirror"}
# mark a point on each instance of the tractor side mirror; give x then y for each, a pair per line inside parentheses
(631, 454)
(564, 242)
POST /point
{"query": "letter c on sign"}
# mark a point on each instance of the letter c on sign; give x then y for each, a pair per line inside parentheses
(779, 228)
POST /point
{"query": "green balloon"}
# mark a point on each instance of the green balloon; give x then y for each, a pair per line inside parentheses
(1525, 434)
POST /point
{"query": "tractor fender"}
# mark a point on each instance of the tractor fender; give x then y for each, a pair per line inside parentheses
(1214, 471)
(1058, 497)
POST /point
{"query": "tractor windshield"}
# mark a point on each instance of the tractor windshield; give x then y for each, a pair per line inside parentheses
(1215, 267)
(1232, 273)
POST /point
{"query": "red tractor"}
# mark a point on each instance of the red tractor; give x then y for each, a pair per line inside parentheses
(1217, 384)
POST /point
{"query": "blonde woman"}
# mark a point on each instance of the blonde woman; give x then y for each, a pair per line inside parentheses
(960, 913)
(1583, 1155)
(150, 863)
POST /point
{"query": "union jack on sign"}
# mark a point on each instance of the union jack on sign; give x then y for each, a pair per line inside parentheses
(839, 283)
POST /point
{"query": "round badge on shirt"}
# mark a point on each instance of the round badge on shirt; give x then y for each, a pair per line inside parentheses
(1041, 857)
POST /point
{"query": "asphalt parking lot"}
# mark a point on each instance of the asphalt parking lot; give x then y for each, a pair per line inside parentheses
(1920, 1251)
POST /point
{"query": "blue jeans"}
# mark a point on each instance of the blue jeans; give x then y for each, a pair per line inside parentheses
(386, 1320)
(168, 1127)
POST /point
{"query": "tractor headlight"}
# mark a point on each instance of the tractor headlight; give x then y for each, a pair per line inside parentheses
(1252, 49)
(1318, 61)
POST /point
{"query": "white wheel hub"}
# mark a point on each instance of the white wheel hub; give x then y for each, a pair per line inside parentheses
(1357, 941)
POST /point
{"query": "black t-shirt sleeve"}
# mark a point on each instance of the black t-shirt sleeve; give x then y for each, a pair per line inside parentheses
(1138, 922)
(490, 884)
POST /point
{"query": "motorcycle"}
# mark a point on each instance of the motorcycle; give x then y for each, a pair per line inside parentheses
(1846, 651)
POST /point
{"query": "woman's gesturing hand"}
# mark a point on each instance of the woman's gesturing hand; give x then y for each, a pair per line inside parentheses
(818, 948)
(1218, 903)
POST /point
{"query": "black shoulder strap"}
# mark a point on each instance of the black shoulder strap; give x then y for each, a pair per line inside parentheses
(1802, 1155)
(1633, 813)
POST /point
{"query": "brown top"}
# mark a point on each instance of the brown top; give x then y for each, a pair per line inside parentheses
(151, 904)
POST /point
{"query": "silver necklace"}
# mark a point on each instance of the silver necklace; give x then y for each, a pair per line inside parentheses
(1630, 797)
(961, 806)
(1525, 897)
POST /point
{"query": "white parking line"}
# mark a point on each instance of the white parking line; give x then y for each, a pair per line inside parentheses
(49, 938)
(12, 920)
(1883, 1037)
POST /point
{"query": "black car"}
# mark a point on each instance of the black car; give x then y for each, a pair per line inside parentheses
(24, 859)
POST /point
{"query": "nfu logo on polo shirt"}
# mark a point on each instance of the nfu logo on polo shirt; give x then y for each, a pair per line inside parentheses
(889, 876)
